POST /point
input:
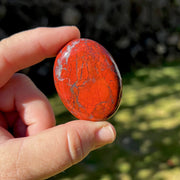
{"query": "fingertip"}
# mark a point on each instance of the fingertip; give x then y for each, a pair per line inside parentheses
(77, 31)
(105, 135)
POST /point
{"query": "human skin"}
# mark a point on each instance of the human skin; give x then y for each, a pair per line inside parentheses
(31, 146)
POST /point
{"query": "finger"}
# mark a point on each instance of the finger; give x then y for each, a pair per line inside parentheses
(30, 47)
(20, 94)
(58, 148)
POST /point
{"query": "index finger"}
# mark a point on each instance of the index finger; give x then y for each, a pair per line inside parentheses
(30, 47)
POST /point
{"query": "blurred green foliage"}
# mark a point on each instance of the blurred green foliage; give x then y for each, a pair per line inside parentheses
(148, 131)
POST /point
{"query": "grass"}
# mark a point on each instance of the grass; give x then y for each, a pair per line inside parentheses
(148, 131)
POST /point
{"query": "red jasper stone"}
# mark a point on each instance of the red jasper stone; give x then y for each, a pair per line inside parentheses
(87, 80)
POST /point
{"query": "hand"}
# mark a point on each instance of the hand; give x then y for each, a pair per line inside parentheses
(30, 146)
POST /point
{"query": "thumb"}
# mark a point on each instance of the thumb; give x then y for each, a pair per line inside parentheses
(54, 150)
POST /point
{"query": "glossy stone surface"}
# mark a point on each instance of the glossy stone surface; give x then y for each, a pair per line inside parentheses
(87, 80)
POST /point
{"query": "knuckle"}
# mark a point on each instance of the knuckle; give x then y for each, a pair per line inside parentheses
(21, 81)
(20, 77)
(75, 146)
(41, 46)
(4, 44)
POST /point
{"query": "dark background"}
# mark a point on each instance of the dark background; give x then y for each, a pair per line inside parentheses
(136, 33)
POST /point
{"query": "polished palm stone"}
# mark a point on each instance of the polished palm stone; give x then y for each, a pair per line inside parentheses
(87, 80)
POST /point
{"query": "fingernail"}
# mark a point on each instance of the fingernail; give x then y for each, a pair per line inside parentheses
(105, 135)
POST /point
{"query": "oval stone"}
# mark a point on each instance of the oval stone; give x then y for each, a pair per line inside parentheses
(87, 80)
